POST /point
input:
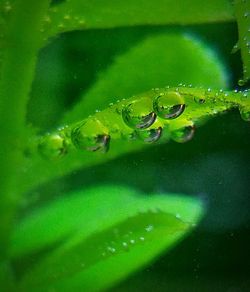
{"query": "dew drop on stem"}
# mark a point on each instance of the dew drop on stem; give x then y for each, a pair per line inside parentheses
(150, 135)
(169, 105)
(91, 135)
(245, 113)
(138, 115)
(183, 135)
(53, 146)
(199, 100)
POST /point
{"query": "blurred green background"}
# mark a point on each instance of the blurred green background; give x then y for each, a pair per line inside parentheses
(214, 165)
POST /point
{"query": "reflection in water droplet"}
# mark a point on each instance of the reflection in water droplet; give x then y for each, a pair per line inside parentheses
(183, 135)
(138, 115)
(169, 105)
(151, 135)
(90, 136)
(102, 142)
(199, 100)
(245, 114)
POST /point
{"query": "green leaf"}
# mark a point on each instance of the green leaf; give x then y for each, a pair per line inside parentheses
(73, 14)
(164, 59)
(243, 21)
(121, 80)
(102, 229)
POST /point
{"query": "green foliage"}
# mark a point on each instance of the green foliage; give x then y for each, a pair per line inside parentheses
(74, 14)
(144, 55)
(154, 64)
(124, 230)
(95, 237)
(15, 81)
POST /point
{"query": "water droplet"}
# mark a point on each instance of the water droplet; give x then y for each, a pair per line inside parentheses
(235, 48)
(7, 7)
(241, 82)
(125, 246)
(177, 215)
(60, 26)
(53, 146)
(47, 19)
(149, 228)
(81, 22)
(111, 249)
(199, 100)
(169, 105)
(138, 115)
(67, 17)
(245, 114)
(183, 135)
(151, 135)
(91, 135)
(132, 241)
(142, 238)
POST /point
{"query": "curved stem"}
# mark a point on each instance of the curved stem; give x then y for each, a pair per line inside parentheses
(108, 127)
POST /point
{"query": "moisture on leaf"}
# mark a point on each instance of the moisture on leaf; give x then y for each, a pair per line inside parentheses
(100, 230)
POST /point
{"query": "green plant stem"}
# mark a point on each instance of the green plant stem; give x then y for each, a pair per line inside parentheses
(23, 41)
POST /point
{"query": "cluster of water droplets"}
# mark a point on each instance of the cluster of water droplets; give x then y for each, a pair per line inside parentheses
(146, 118)
(123, 242)
(129, 235)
